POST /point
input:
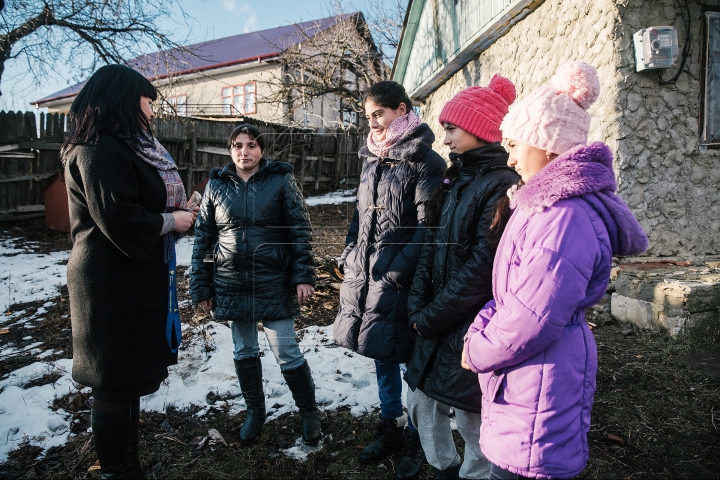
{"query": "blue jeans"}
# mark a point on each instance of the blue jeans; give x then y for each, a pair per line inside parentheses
(390, 391)
(281, 340)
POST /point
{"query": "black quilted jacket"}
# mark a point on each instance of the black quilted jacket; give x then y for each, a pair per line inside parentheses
(258, 236)
(383, 245)
(453, 280)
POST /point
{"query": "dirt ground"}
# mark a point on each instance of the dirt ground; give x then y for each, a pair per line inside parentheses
(653, 417)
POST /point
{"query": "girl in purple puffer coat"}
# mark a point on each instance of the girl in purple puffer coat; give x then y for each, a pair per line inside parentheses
(534, 353)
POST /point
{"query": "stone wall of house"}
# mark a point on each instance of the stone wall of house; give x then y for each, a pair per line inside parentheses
(669, 184)
(672, 186)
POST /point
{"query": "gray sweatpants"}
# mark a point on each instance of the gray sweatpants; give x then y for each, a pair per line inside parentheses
(431, 419)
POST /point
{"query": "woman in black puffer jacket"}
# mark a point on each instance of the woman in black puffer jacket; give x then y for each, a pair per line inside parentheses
(399, 173)
(453, 280)
(252, 262)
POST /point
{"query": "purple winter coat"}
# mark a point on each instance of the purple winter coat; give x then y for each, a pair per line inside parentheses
(534, 353)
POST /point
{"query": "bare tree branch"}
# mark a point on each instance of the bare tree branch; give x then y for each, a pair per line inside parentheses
(385, 18)
(330, 66)
(83, 33)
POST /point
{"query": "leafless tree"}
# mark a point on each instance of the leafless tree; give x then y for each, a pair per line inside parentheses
(385, 19)
(324, 74)
(82, 33)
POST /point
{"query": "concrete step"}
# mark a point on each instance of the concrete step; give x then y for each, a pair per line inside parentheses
(665, 297)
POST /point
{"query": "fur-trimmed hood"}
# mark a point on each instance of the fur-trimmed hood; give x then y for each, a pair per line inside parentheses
(411, 148)
(267, 166)
(584, 171)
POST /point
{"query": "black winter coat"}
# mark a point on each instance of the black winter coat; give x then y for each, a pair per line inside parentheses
(454, 277)
(117, 276)
(258, 236)
(383, 245)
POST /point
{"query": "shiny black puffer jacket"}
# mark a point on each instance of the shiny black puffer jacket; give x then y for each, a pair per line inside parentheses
(258, 235)
(383, 245)
(453, 280)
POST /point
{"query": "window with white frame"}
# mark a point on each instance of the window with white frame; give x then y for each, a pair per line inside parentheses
(176, 103)
(349, 118)
(710, 93)
(239, 99)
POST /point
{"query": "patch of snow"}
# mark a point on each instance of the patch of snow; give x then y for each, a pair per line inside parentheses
(332, 198)
(26, 277)
(183, 250)
(299, 451)
(27, 415)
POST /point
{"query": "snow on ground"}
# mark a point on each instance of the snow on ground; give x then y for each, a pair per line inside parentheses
(206, 362)
(341, 378)
(27, 276)
(26, 413)
(332, 198)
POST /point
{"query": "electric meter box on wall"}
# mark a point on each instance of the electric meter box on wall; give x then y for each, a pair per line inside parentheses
(655, 48)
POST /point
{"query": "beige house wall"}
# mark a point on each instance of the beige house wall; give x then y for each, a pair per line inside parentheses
(671, 186)
(205, 88)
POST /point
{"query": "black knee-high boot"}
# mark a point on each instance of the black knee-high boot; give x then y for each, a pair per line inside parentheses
(302, 386)
(249, 372)
(110, 432)
(136, 471)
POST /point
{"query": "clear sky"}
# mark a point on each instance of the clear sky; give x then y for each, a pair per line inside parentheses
(210, 19)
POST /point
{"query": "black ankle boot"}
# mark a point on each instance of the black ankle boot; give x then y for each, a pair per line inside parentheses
(413, 457)
(249, 372)
(136, 471)
(301, 385)
(110, 432)
(450, 473)
(389, 437)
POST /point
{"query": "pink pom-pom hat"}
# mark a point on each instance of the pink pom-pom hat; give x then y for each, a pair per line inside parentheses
(479, 110)
(555, 118)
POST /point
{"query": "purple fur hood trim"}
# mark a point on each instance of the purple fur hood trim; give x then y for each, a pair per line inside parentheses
(584, 171)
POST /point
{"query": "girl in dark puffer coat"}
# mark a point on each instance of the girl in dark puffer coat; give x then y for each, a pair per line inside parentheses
(254, 228)
(399, 173)
(453, 279)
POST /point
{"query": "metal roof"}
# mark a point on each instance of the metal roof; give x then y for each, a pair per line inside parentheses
(223, 52)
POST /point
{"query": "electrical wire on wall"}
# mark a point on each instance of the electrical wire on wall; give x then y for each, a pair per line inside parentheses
(686, 47)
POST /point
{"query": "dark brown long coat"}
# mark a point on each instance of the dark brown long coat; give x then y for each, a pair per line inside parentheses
(117, 277)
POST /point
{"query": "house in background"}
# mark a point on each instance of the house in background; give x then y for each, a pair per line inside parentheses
(236, 76)
(664, 136)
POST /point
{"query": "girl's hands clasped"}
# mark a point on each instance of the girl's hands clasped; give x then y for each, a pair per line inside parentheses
(304, 292)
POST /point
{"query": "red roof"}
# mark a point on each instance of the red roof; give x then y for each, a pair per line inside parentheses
(235, 50)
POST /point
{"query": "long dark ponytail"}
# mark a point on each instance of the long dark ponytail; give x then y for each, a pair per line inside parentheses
(501, 216)
(433, 207)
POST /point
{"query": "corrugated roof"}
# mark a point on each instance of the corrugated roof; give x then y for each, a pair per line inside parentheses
(234, 50)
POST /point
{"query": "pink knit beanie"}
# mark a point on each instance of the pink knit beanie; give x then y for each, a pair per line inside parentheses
(554, 118)
(479, 110)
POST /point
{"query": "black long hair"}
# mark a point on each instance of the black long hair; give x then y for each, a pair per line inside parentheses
(388, 94)
(109, 103)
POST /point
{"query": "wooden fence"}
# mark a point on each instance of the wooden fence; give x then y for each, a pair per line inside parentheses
(29, 154)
